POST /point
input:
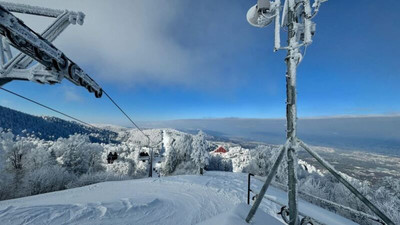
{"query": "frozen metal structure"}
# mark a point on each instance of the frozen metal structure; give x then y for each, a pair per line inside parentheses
(297, 17)
(38, 60)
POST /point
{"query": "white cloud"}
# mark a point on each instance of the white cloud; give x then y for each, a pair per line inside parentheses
(125, 39)
(131, 42)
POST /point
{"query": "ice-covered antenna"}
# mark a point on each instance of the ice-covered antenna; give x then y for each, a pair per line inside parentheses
(297, 17)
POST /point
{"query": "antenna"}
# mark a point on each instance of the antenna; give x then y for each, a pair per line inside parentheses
(297, 16)
(262, 13)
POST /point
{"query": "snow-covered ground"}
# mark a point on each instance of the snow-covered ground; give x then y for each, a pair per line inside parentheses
(186, 199)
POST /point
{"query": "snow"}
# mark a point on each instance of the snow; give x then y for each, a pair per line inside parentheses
(185, 199)
(238, 215)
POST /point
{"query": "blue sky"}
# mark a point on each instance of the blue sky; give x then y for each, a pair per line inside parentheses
(181, 59)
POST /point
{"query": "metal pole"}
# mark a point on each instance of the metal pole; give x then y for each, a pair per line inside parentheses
(291, 114)
(264, 188)
(2, 56)
(347, 184)
(292, 187)
(151, 163)
(248, 188)
(7, 49)
(291, 117)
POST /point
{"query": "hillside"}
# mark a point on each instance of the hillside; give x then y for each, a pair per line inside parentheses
(48, 128)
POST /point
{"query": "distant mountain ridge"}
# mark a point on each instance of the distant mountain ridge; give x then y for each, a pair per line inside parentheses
(377, 134)
(372, 134)
(49, 128)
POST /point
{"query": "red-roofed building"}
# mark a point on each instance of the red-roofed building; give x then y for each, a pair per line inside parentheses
(220, 150)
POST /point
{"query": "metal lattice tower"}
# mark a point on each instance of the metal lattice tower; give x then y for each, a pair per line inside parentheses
(297, 17)
(38, 59)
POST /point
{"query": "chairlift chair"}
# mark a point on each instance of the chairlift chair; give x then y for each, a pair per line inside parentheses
(144, 156)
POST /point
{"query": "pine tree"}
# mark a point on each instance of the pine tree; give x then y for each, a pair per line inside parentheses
(200, 154)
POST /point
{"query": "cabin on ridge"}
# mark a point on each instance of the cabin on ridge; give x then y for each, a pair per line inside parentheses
(220, 149)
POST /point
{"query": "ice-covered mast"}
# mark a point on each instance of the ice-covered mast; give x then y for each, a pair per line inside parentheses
(52, 64)
(297, 17)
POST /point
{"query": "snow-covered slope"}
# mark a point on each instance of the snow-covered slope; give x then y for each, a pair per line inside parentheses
(237, 216)
(185, 199)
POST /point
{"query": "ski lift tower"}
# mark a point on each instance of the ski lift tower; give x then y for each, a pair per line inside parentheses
(38, 59)
(148, 155)
(297, 17)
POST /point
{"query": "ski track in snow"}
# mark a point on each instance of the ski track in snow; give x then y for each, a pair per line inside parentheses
(171, 200)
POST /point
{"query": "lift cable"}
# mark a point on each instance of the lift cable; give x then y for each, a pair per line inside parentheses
(47, 107)
(109, 97)
(73, 118)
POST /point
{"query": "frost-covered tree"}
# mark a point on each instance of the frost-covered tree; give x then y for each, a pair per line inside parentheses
(260, 160)
(171, 156)
(178, 147)
(6, 180)
(77, 154)
(15, 156)
(39, 156)
(126, 165)
(199, 154)
(46, 179)
(220, 164)
(16, 159)
(6, 143)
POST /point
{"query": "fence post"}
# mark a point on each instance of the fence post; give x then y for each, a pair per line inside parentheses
(248, 188)
(264, 188)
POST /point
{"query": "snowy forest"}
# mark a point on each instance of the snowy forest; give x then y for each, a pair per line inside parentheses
(32, 166)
